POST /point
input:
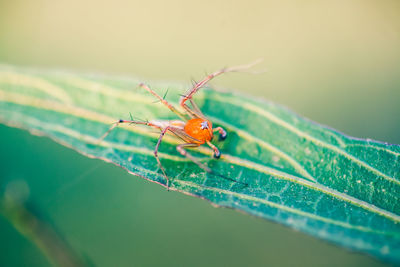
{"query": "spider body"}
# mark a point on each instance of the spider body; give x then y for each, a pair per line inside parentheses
(199, 129)
(194, 129)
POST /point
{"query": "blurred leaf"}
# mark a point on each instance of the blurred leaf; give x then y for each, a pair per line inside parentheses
(27, 220)
(290, 169)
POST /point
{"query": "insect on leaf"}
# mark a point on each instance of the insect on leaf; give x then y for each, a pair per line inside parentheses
(289, 169)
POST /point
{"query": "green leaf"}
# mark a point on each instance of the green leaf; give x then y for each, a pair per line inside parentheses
(289, 169)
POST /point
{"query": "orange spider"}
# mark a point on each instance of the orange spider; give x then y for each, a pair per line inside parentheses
(195, 131)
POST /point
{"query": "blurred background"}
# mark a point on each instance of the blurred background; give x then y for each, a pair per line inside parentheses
(335, 62)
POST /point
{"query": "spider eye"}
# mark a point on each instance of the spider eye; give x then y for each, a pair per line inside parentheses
(204, 125)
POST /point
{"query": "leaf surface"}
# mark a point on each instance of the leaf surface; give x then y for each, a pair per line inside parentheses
(289, 169)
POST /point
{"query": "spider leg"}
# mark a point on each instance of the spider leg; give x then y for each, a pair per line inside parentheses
(222, 133)
(192, 113)
(181, 149)
(196, 109)
(156, 153)
(203, 82)
(165, 102)
(217, 153)
(163, 132)
(115, 124)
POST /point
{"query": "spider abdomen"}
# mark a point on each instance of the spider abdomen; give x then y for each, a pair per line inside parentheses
(200, 129)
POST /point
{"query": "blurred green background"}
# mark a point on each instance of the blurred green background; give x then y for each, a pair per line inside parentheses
(335, 62)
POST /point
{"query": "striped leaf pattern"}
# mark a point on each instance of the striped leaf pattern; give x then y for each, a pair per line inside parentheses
(289, 169)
